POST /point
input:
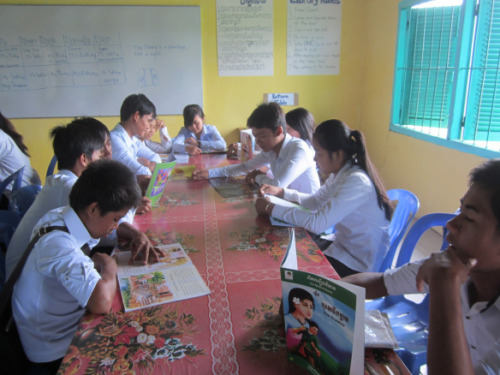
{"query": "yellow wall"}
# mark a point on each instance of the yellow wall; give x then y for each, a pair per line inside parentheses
(437, 175)
(360, 95)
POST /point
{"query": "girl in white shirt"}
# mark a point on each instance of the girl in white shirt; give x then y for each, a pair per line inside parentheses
(353, 199)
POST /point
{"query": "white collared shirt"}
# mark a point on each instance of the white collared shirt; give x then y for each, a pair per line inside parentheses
(54, 287)
(293, 167)
(481, 323)
(210, 139)
(347, 200)
(127, 150)
(12, 159)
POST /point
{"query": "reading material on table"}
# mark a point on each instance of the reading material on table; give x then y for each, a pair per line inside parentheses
(231, 187)
(173, 278)
(284, 203)
(324, 319)
(158, 181)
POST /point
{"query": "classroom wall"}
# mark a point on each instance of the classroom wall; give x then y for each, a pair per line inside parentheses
(436, 174)
(228, 101)
(360, 95)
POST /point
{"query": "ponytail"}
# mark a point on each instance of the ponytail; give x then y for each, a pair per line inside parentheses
(334, 135)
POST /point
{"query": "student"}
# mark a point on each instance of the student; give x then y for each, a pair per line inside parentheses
(59, 282)
(352, 198)
(165, 145)
(137, 115)
(196, 136)
(463, 283)
(76, 146)
(14, 154)
(290, 159)
(300, 124)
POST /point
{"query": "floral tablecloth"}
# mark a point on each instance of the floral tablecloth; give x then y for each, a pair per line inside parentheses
(236, 329)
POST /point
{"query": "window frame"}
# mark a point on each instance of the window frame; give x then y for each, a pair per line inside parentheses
(459, 86)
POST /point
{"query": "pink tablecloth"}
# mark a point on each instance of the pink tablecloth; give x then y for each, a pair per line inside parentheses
(237, 328)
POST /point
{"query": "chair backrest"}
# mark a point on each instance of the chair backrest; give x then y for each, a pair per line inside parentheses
(437, 219)
(16, 177)
(408, 205)
(52, 166)
(22, 199)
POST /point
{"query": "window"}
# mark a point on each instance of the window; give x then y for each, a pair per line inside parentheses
(447, 74)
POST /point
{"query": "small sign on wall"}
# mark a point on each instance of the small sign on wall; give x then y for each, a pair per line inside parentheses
(288, 98)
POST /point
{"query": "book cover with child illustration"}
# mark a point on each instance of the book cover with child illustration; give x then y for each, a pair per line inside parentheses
(158, 181)
(324, 320)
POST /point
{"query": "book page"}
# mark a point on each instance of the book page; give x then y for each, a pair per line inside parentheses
(283, 203)
(173, 278)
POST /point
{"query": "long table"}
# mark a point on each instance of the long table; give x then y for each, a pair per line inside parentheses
(237, 328)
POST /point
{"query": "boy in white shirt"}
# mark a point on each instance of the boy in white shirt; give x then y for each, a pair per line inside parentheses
(59, 281)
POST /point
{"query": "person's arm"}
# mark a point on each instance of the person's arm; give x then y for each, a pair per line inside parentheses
(101, 299)
(145, 152)
(178, 143)
(240, 168)
(124, 154)
(447, 348)
(212, 140)
(159, 148)
(332, 203)
(140, 246)
(297, 158)
(373, 282)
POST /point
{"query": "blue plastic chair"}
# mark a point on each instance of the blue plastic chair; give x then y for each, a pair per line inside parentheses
(22, 199)
(408, 205)
(409, 320)
(16, 177)
(52, 166)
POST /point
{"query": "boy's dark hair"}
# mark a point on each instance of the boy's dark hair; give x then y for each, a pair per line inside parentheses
(109, 183)
(83, 135)
(190, 112)
(267, 115)
(134, 103)
(313, 324)
(487, 176)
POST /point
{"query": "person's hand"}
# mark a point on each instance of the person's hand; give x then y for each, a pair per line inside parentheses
(263, 206)
(143, 161)
(444, 267)
(142, 249)
(144, 206)
(200, 174)
(193, 150)
(103, 261)
(232, 151)
(143, 181)
(191, 141)
(271, 190)
(250, 178)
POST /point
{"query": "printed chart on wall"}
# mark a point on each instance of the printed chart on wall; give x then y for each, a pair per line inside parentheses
(313, 37)
(68, 60)
(245, 38)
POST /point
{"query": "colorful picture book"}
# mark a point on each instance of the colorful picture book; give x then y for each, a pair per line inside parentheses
(247, 141)
(158, 181)
(173, 278)
(324, 320)
(182, 172)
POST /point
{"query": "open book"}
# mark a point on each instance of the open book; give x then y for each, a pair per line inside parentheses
(158, 181)
(173, 278)
(324, 320)
(284, 203)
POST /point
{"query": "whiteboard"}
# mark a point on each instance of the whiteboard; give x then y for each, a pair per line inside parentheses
(65, 61)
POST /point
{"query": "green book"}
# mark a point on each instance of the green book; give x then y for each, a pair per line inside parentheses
(158, 181)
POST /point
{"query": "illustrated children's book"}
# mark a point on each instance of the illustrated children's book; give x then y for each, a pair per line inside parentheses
(324, 320)
(173, 278)
(182, 172)
(158, 181)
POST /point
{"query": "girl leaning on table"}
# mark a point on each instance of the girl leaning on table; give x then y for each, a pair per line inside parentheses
(353, 199)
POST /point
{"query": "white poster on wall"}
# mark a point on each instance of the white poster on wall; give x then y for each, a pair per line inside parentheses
(245, 37)
(313, 37)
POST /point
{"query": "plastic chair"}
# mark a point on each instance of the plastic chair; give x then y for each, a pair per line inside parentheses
(22, 199)
(408, 205)
(52, 166)
(16, 177)
(409, 320)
